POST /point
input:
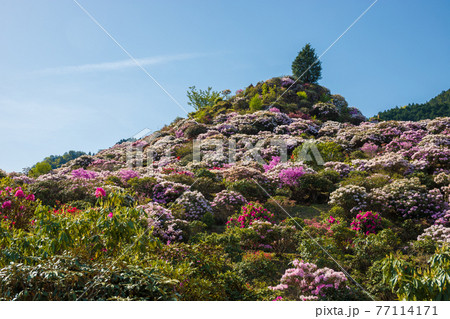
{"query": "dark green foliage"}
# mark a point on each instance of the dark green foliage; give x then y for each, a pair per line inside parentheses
(203, 172)
(438, 106)
(194, 130)
(207, 187)
(305, 59)
(312, 188)
(259, 266)
(412, 281)
(249, 189)
(280, 206)
(117, 181)
(143, 185)
(57, 161)
(329, 151)
(337, 211)
(181, 178)
(53, 192)
(66, 278)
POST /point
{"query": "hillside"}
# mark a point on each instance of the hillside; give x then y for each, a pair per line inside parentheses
(301, 100)
(438, 106)
(245, 199)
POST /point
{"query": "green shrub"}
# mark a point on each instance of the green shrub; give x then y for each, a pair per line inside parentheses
(230, 243)
(39, 169)
(208, 219)
(194, 130)
(203, 172)
(312, 188)
(116, 181)
(273, 205)
(413, 282)
(302, 95)
(261, 266)
(49, 192)
(201, 98)
(249, 189)
(329, 151)
(332, 176)
(184, 150)
(368, 249)
(180, 178)
(67, 278)
(143, 185)
(196, 227)
(337, 211)
(207, 187)
(358, 154)
(255, 103)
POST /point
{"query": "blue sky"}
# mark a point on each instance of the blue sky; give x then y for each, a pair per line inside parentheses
(66, 85)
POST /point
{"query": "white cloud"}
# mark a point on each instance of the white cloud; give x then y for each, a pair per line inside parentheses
(119, 65)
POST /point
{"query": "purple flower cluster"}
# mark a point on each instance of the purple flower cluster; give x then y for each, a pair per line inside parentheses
(286, 81)
(127, 174)
(290, 176)
(274, 162)
(370, 149)
(195, 205)
(226, 203)
(408, 198)
(163, 224)
(166, 192)
(342, 168)
(308, 282)
(437, 233)
(84, 174)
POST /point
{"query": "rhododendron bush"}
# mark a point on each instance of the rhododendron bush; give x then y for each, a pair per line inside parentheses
(249, 214)
(17, 207)
(308, 282)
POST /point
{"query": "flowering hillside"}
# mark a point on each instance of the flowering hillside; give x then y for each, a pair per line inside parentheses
(271, 194)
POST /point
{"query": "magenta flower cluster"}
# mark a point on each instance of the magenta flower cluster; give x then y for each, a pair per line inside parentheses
(274, 162)
(100, 192)
(249, 214)
(290, 175)
(367, 223)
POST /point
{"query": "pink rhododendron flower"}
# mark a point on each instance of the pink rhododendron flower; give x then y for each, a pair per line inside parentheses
(100, 192)
(110, 215)
(6, 204)
(278, 298)
(19, 193)
(31, 198)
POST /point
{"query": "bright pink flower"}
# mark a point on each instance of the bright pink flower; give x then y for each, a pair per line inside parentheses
(19, 193)
(31, 198)
(6, 204)
(100, 192)
(110, 215)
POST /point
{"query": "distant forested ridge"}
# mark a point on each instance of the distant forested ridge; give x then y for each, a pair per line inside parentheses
(57, 161)
(438, 106)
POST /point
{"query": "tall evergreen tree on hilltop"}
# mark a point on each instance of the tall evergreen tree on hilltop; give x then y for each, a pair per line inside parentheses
(304, 60)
